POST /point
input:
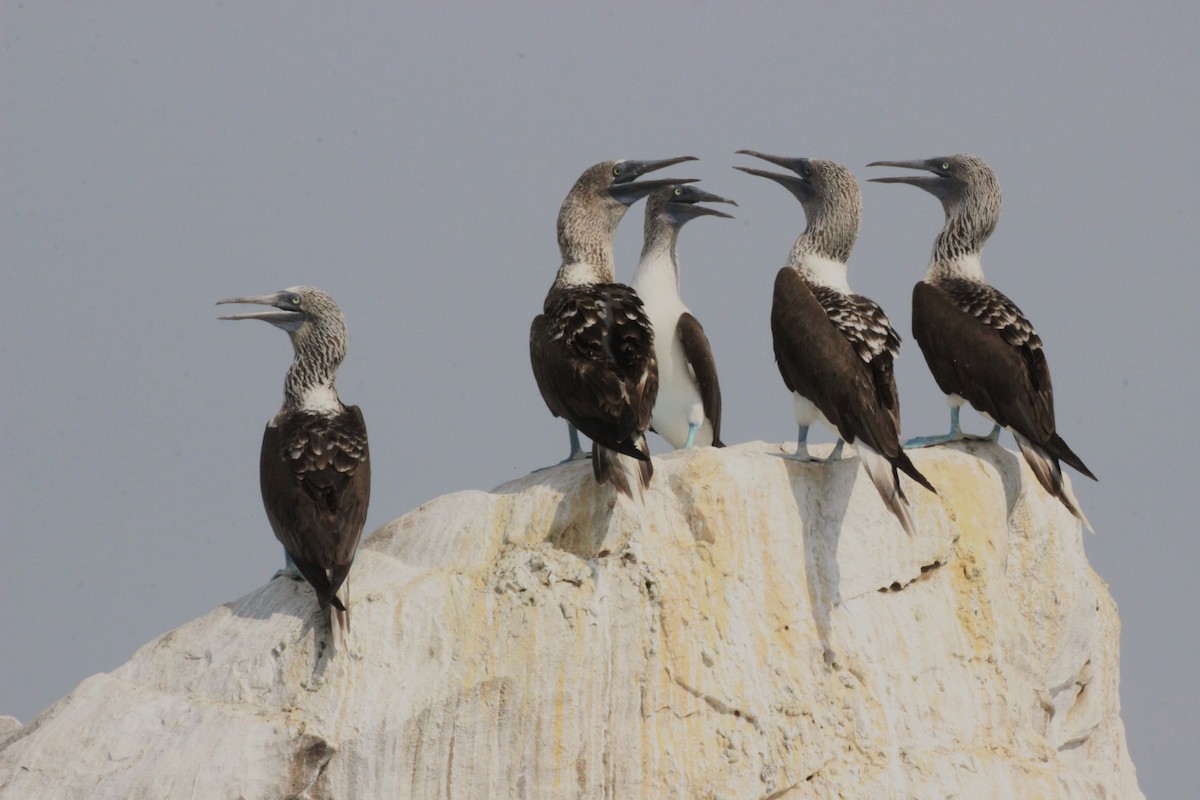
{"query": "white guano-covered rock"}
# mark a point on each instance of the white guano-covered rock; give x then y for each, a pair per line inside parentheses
(758, 629)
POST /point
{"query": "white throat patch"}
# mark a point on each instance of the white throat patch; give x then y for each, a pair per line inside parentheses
(579, 273)
(968, 266)
(322, 400)
(825, 271)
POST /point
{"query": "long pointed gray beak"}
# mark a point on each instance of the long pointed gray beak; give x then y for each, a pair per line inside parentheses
(913, 164)
(694, 194)
(936, 185)
(626, 192)
(636, 169)
(682, 212)
(930, 183)
(685, 205)
(802, 189)
(629, 193)
(797, 184)
(787, 163)
(285, 318)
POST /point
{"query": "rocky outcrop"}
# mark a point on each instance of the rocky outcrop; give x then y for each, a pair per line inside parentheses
(758, 629)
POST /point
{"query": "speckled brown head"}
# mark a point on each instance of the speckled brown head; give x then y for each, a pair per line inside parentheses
(594, 207)
(970, 196)
(831, 199)
(317, 329)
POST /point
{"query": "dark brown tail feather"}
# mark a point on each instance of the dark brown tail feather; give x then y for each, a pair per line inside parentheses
(318, 579)
(904, 463)
(882, 472)
(647, 466)
(1045, 467)
(1059, 449)
(608, 467)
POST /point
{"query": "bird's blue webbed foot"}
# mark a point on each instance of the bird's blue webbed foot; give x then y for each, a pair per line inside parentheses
(577, 452)
(918, 442)
(992, 437)
(954, 435)
(802, 455)
(691, 439)
(289, 569)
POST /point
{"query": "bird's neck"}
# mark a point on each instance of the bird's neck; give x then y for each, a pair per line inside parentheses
(821, 252)
(957, 249)
(659, 264)
(309, 384)
(319, 399)
(821, 269)
(586, 268)
(967, 266)
(969, 223)
(585, 239)
(831, 233)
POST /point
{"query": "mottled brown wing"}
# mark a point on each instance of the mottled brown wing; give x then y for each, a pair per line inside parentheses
(981, 347)
(315, 471)
(593, 357)
(819, 362)
(870, 333)
(700, 360)
(861, 321)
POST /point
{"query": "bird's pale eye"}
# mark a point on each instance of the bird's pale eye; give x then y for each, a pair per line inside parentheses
(945, 165)
(616, 172)
(296, 299)
(678, 191)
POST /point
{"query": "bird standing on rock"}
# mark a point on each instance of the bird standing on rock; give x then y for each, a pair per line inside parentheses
(314, 467)
(688, 409)
(592, 348)
(835, 348)
(979, 346)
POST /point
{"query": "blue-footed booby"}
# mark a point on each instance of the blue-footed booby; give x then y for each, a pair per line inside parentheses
(314, 467)
(835, 348)
(979, 346)
(688, 409)
(592, 348)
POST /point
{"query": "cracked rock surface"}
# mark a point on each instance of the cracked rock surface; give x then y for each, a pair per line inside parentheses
(757, 629)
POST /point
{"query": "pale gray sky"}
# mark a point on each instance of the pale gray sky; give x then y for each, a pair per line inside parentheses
(158, 157)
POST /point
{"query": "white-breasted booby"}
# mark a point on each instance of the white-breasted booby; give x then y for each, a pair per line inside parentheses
(592, 348)
(979, 346)
(688, 408)
(835, 348)
(314, 467)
